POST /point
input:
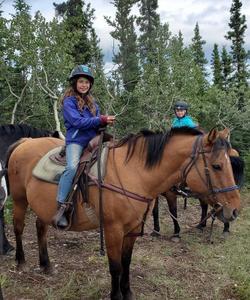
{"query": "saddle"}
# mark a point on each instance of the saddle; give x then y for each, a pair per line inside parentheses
(51, 166)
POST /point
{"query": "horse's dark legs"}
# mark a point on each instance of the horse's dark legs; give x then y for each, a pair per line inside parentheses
(226, 227)
(155, 214)
(5, 246)
(19, 210)
(172, 205)
(42, 245)
(202, 224)
(204, 208)
(114, 242)
(1, 233)
(127, 250)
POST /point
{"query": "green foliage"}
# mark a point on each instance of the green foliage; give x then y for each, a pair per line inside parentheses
(78, 24)
(226, 62)
(149, 22)
(197, 48)
(152, 69)
(236, 35)
(216, 66)
(124, 32)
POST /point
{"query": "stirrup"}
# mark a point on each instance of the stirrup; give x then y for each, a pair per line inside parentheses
(59, 221)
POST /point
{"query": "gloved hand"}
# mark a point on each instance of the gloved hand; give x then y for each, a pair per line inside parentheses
(107, 119)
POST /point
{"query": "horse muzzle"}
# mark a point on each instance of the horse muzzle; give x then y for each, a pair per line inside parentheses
(227, 214)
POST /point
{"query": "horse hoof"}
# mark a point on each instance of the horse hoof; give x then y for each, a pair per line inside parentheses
(155, 233)
(128, 296)
(200, 227)
(7, 250)
(175, 239)
(225, 234)
(21, 267)
(46, 270)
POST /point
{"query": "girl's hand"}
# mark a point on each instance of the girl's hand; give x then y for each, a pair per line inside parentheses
(107, 119)
(110, 119)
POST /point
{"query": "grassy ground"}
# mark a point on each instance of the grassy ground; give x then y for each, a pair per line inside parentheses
(161, 269)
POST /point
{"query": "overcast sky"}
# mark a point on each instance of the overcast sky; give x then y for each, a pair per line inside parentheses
(212, 16)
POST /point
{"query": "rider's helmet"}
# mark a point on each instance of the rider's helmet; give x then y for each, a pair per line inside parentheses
(181, 105)
(82, 70)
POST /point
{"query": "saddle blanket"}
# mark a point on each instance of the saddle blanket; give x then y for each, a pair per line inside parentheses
(48, 170)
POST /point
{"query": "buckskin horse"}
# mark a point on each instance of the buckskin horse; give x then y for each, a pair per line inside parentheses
(171, 197)
(9, 134)
(139, 167)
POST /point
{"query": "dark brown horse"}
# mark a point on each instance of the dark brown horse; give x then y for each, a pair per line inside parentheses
(9, 134)
(171, 197)
(141, 167)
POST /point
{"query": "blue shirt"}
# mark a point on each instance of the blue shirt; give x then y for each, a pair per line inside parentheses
(185, 121)
(81, 125)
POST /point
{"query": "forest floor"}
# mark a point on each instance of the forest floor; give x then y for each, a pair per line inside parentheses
(160, 269)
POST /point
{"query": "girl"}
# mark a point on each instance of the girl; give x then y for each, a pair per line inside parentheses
(82, 120)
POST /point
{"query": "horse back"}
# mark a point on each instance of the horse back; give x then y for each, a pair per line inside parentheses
(23, 158)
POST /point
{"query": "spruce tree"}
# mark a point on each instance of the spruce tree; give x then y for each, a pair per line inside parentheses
(199, 59)
(236, 35)
(149, 22)
(216, 66)
(197, 49)
(226, 67)
(78, 20)
(124, 32)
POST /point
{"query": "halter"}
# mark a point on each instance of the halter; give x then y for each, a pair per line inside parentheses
(198, 149)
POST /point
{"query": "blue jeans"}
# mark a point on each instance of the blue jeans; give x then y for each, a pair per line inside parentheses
(73, 154)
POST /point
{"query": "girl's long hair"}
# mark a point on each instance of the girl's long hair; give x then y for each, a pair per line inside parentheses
(87, 100)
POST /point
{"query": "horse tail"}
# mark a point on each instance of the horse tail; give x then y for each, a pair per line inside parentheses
(12, 147)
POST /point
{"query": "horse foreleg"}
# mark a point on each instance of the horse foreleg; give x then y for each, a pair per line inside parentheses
(127, 249)
(42, 245)
(226, 230)
(19, 211)
(172, 205)
(155, 214)
(203, 222)
(114, 241)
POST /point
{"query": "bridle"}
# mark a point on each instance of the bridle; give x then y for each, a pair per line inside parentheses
(198, 149)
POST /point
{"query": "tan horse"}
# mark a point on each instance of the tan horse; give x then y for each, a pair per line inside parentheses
(171, 197)
(148, 164)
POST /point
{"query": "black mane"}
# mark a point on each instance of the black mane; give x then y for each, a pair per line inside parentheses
(238, 166)
(153, 143)
(24, 130)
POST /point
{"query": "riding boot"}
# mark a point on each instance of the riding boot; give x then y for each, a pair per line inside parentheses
(59, 220)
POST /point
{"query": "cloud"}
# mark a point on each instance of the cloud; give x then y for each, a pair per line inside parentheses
(212, 16)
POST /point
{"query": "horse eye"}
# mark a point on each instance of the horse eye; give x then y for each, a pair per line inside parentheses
(217, 167)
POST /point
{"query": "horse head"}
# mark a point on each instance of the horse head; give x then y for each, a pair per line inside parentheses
(210, 174)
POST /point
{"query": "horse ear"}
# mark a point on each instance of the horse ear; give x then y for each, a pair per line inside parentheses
(224, 134)
(233, 153)
(211, 137)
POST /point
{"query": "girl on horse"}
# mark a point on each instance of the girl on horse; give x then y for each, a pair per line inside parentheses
(82, 120)
(181, 117)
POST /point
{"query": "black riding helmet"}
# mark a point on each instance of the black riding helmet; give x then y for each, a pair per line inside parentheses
(181, 105)
(82, 70)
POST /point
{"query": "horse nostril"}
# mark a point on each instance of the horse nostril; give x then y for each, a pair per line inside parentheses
(235, 213)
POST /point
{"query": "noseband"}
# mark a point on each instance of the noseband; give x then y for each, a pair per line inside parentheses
(196, 151)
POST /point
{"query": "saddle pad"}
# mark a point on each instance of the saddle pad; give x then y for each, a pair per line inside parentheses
(47, 169)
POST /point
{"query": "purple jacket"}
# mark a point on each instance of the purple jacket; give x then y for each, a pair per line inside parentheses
(81, 126)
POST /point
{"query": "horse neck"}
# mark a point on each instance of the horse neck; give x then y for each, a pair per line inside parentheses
(151, 181)
(176, 156)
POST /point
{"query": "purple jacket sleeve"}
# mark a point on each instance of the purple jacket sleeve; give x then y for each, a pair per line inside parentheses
(77, 120)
